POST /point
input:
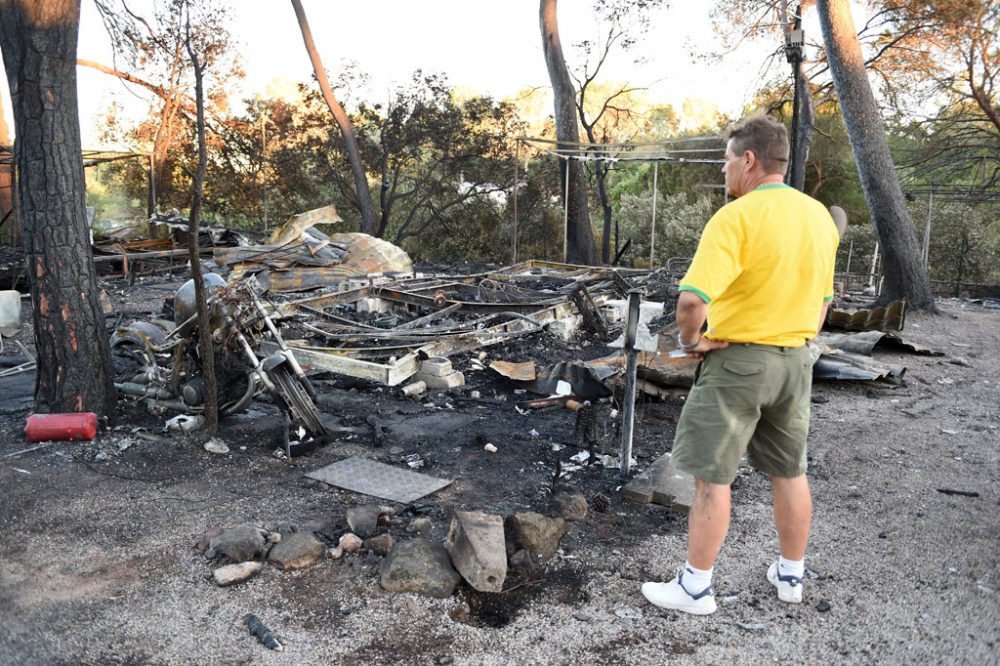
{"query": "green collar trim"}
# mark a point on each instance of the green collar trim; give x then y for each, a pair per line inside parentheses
(772, 186)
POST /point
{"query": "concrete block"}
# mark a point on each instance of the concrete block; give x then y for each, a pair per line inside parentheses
(476, 544)
(662, 483)
(434, 382)
(565, 327)
(372, 305)
(437, 366)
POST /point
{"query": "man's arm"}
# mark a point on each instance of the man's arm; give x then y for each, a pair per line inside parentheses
(822, 316)
(691, 315)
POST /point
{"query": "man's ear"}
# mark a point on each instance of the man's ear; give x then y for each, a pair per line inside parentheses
(750, 157)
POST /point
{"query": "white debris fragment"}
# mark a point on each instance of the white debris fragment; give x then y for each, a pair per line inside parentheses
(563, 388)
(216, 445)
(490, 448)
(533, 433)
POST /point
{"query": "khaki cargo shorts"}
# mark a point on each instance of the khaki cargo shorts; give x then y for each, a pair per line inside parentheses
(751, 399)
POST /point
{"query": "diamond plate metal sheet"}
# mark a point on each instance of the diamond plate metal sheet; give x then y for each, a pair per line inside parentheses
(379, 480)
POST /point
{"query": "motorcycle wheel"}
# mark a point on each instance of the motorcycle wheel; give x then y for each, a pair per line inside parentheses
(299, 404)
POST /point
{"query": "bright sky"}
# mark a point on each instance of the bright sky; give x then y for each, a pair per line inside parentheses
(477, 45)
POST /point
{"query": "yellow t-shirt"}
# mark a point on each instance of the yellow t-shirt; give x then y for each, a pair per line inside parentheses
(765, 267)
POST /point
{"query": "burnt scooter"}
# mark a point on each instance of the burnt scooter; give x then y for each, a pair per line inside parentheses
(169, 370)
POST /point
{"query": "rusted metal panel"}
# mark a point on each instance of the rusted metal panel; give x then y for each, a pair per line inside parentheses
(891, 317)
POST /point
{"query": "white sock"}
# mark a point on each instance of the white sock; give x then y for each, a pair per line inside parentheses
(795, 568)
(696, 580)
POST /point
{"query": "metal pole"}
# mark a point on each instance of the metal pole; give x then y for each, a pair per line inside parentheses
(628, 401)
(850, 251)
(927, 228)
(151, 204)
(566, 216)
(263, 165)
(513, 242)
(652, 230)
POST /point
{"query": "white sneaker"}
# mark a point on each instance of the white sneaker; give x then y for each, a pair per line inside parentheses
(675, 596)
(789, 587)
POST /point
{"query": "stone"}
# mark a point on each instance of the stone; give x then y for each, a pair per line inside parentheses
(537, 534)
(436, 382)
(380, 545)
(522, 561)
(475, 542)
(419, 566)
(297, 551)
(363, 520)
(416, 388)
(419, 525)
(570, 506)
(350, 542)
(239, 544)
(437, 366)
(335, 553)
(662, 483)
(205, 539)
(236, 573)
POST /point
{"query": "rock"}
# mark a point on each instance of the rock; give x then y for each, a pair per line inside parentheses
(490, 448)
(336, 553)
(273, 537)
(363, 520)
(239, 544)
(350, 542)
(521, 560)
(205, 539)
(571, 506)
(823, 606)
(958, 360)
(476, 544)
(297, 551)
(216, 445)
(236, 573)
(418, 525)
(380, 545)
(419, 566)
(537, 534)
(209, 553)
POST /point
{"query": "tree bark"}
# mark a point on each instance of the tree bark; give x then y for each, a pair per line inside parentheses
(579, 233)
(206, 346)
(364, 194)
(803, 131)
(10, 231)
(38, 39)
(905, 276)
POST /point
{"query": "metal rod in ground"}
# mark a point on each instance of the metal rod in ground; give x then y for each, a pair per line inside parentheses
(628, 400)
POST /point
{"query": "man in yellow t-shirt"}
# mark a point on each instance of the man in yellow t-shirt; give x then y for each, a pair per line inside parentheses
(762, 279)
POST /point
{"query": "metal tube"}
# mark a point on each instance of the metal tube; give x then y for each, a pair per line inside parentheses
(652, 228)
(513, 242)
(628, 400)
(927, 228)
(566, 216)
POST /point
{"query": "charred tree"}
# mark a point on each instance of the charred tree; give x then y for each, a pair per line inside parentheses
(905, 275)
(362, 191)
(38, 39)
(206, 348)
(579, 233)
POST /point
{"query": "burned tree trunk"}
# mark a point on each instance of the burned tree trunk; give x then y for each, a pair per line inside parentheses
(803, 123)
(905, 275)
(579, 234)
(206, 347)
(38, 39)
(362, 190)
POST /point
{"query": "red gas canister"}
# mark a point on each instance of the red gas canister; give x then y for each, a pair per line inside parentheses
(46, 427)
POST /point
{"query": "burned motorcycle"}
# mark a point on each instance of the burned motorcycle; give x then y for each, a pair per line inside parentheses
(166, 369)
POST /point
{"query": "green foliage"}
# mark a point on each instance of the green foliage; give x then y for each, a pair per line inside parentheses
(680, 219)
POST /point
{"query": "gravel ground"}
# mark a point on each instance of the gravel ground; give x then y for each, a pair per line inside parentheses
(98, 568)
